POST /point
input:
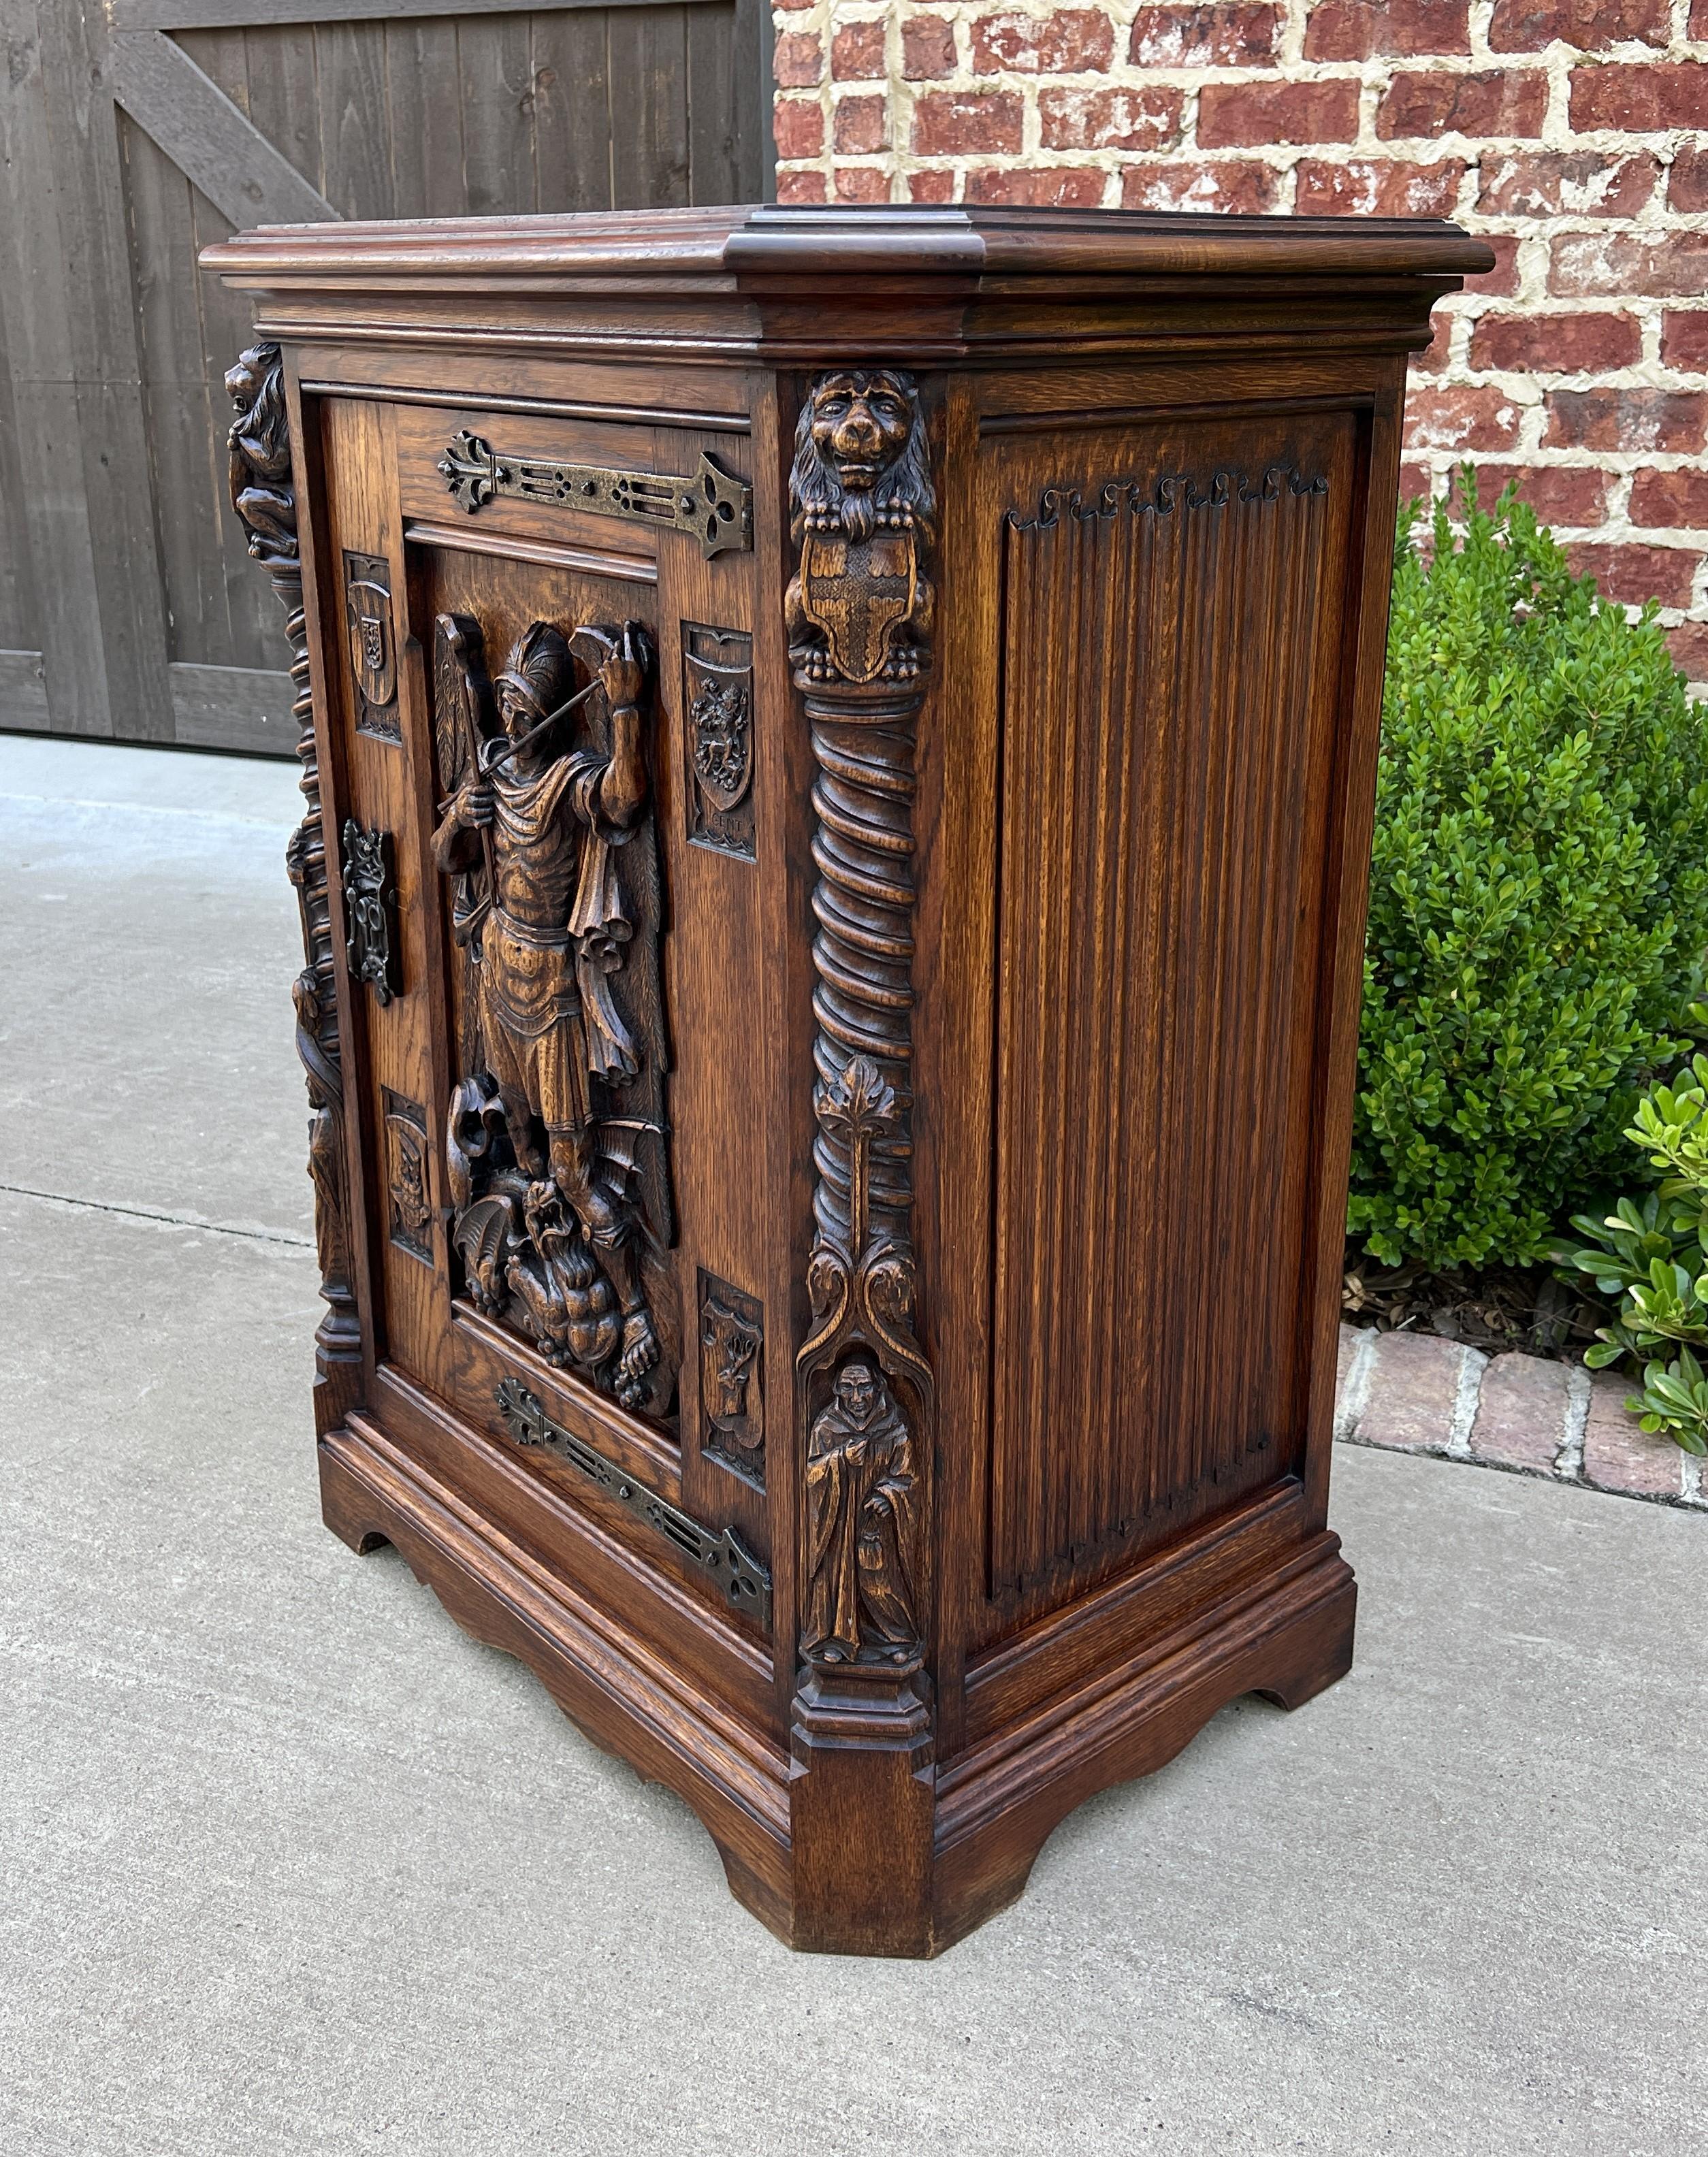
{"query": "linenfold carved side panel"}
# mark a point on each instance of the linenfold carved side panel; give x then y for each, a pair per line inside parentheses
(1167, 644)
(859, 620)
(264, 495)
(557, 1146)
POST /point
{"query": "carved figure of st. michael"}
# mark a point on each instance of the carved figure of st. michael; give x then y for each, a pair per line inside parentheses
(556, 1135)
(859, 607)
(863, 1525)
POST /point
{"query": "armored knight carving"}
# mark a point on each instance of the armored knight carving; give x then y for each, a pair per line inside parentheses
(863, 1525)
(556, 1136)
(860, 605)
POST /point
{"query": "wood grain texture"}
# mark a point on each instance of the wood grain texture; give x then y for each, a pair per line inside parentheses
(23, 691)
(135, 136)
(209, 139)
(19, 607)
(1171, 673)
(246, 708)
(240, 14)
(1016, 1025)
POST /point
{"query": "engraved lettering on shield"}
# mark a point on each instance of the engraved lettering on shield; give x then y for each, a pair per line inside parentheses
(858, 592)
(718, 691)
(368, 613)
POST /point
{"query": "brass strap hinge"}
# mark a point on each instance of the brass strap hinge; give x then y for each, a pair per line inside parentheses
(715, 509)
(745, 1581)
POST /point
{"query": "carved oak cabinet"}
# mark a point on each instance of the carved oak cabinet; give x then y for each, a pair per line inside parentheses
(839, 749)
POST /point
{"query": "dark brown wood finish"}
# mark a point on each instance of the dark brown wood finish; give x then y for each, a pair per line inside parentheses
(968, 829)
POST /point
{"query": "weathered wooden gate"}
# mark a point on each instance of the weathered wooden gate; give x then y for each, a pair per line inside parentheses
(134, 131)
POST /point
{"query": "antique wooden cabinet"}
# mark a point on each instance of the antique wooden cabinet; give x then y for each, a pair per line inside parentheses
(839, 749)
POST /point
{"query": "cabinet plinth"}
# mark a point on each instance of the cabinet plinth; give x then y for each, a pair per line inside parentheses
(839, 751)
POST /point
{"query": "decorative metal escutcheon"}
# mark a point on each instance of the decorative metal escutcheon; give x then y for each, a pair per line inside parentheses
(370, 910)
(746, 1582)
(715, 508)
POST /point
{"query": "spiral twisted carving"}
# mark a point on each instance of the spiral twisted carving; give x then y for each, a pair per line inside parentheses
(859, 620)
(863, 950)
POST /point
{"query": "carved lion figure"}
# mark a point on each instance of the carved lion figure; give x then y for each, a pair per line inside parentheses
(260, 443)
(860, 604)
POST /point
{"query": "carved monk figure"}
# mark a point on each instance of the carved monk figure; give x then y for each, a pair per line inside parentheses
(556, 932)
(862, 1517)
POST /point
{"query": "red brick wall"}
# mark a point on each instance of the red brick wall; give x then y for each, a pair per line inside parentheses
(1574, 133)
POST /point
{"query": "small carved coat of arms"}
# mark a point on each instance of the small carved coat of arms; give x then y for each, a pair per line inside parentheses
(858, 592)
(367, 614)
(718, 684)
(732, 1404)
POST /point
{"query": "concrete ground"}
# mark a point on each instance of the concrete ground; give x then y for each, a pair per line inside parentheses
(287, 1865)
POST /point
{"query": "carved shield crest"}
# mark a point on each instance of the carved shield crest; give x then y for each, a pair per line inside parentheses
(858, 591)
(367, 612)
(732, 1339)
(722, 735)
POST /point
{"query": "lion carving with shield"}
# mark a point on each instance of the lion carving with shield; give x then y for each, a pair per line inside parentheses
(860, 606)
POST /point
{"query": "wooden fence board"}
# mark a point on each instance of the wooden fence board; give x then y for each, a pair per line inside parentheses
(124, 151)
(169, 334)
(18, 598)
(649, 63)
(233, 707)
(199, 15)
(572, 112)
(40, 338)
(223, 327)
(23, 692)
(719, 159)
(355, 121)
(284, 99)
(496, 71)
(426, 101)
(210, 140)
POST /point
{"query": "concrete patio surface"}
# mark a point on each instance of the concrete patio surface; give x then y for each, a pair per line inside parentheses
(287, 1865)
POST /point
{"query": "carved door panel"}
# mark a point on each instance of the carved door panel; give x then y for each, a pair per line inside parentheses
(1182, 601)
(543, 951)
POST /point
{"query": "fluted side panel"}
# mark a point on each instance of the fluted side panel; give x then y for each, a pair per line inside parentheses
(1169, 680)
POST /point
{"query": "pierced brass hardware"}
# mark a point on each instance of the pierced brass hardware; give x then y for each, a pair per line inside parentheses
(715, 509)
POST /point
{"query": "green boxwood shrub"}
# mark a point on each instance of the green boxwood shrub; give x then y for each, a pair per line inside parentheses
(1539, 905)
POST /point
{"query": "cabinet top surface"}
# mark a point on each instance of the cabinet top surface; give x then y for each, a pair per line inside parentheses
(747, 249)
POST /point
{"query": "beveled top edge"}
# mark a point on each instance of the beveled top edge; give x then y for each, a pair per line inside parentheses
(739, 246)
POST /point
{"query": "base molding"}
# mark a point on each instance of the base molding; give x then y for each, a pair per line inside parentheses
(609, 1682)
(940, 1848)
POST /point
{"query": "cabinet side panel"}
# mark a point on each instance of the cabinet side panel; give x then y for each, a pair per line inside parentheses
(1171, 634)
